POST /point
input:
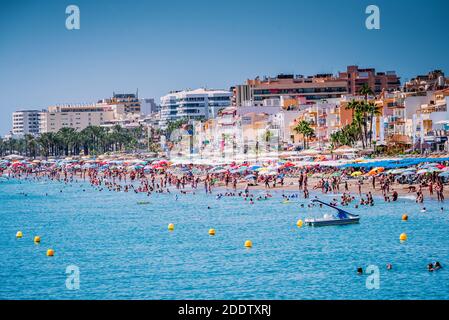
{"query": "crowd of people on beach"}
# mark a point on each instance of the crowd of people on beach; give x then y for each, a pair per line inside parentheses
(189, 178)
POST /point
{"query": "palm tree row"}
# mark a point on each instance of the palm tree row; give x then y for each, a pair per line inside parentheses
(67, 141)
(361, 128)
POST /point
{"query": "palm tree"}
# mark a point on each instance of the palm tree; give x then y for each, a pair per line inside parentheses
(352, 105)
(366, 91)
(373, 111)
(119, 137)
(359, 111)
(93, 139)
(45, 142)
(67, 137)
(306, 130)
(267, 137)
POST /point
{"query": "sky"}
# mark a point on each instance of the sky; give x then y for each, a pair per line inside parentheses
(159, 46)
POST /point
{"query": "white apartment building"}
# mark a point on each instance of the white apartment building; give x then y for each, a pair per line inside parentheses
(25, 122)
(196, 104)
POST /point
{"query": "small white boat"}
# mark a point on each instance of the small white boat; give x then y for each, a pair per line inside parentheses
(341, 218)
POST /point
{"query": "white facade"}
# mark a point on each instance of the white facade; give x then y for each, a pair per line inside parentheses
(25, 122)
(196, 104)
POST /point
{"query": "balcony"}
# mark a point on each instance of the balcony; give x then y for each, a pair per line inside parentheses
(430, 108)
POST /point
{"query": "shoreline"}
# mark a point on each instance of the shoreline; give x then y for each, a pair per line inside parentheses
(290, 185)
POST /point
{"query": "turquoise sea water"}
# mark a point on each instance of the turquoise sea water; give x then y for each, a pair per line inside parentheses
(124, 251)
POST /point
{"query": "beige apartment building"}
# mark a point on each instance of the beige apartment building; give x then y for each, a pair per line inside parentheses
(78, 116)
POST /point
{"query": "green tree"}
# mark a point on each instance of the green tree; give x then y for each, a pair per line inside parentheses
(305, 130)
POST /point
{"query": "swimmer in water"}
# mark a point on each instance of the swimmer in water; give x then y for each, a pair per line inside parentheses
(437, 266)
(359, 271)
(430, 267)
(423, 209)
(389, 266)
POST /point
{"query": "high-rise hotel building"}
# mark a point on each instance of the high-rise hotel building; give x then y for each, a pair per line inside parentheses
(196, 104)
(25, 122)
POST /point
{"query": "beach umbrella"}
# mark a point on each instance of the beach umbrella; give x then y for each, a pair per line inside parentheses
(429, 170)
(356, 174)
(396, 171)
(444, 174)
(336, 174)
(428, 165)
(287, 165)
(250, 177)
(375, 171)
(255, 167)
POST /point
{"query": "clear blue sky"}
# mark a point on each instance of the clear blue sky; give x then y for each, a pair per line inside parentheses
(158, 46)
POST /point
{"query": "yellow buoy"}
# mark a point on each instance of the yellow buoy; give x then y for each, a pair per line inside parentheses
(248, 244)
(212, 232)
(403, 237)
(299, 223)
(19, 234)
(50, 253)
(404, 217)
(37, 239)
(171, 227)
